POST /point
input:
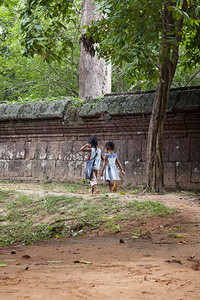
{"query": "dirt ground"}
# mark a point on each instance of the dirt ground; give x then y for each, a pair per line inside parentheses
(122, 267)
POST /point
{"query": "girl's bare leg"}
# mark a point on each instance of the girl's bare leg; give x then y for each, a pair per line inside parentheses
(92, 190)
(110, 184)
(93, 182)
(95, 186)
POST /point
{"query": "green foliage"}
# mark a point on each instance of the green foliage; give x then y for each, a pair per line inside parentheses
(44, 29)
(3, 195)
(24, 77)
(131, 34)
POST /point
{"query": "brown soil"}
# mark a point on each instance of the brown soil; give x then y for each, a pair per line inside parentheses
(123, 267)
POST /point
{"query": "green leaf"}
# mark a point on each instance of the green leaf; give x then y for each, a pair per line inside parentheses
(186, 15)
(38, 27)
(197, 9)
(55, 261)
(172, 235)
(86, 262)
(107, 11)
(40, 38)
(82, 261)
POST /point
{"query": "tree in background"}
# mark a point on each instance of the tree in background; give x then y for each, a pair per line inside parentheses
(50, 32)
(46, 31)
(148, 34)
(94, 74)
(26, 76)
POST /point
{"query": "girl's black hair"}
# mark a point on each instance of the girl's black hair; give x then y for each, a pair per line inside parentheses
(110, 145)
(93, 141)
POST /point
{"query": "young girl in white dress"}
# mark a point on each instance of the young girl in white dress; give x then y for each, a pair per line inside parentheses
(110, 171)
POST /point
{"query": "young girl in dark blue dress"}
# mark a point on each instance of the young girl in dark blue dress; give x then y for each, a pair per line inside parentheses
(91, 148)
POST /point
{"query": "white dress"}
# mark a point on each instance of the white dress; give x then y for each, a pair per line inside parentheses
(111, 172)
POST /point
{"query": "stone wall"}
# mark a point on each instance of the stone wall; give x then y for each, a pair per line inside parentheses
(41, 141)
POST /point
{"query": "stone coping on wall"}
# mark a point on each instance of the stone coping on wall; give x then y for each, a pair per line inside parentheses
(179, 100)
(129, 103)
(34, 110)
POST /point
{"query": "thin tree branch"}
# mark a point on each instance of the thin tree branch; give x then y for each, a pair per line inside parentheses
(77, 10)
(178, 37)
(63, 81)
(193, 77)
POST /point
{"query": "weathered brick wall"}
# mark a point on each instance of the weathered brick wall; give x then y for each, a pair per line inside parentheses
(42, 141)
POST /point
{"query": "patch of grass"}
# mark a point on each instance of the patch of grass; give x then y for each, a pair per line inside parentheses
(137, 189)
(22, 219)
(78, 187)
(25, 219)
(3, 195)
(150, 208)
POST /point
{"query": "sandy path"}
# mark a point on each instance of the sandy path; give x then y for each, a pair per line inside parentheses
(135, 269)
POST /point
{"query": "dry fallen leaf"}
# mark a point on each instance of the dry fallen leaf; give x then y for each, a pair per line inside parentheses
(150, 280)
(121, 241)
(26, 256)
(174, 261)
(25, 268)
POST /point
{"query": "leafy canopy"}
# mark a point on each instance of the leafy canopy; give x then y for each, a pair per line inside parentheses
(130, 34)
(35, 77)
(131, 31)
(43, 27)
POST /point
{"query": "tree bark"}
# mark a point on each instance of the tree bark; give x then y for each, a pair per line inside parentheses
(169, 55)
(155, 167)
(94, 74)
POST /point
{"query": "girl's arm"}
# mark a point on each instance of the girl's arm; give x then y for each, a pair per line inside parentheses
(120, 166)
(104, 165)
(85, 148)
(102, 156)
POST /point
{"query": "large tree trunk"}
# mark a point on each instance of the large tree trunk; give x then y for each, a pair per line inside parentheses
(169, 55)
(155, 168)
(94, 74)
